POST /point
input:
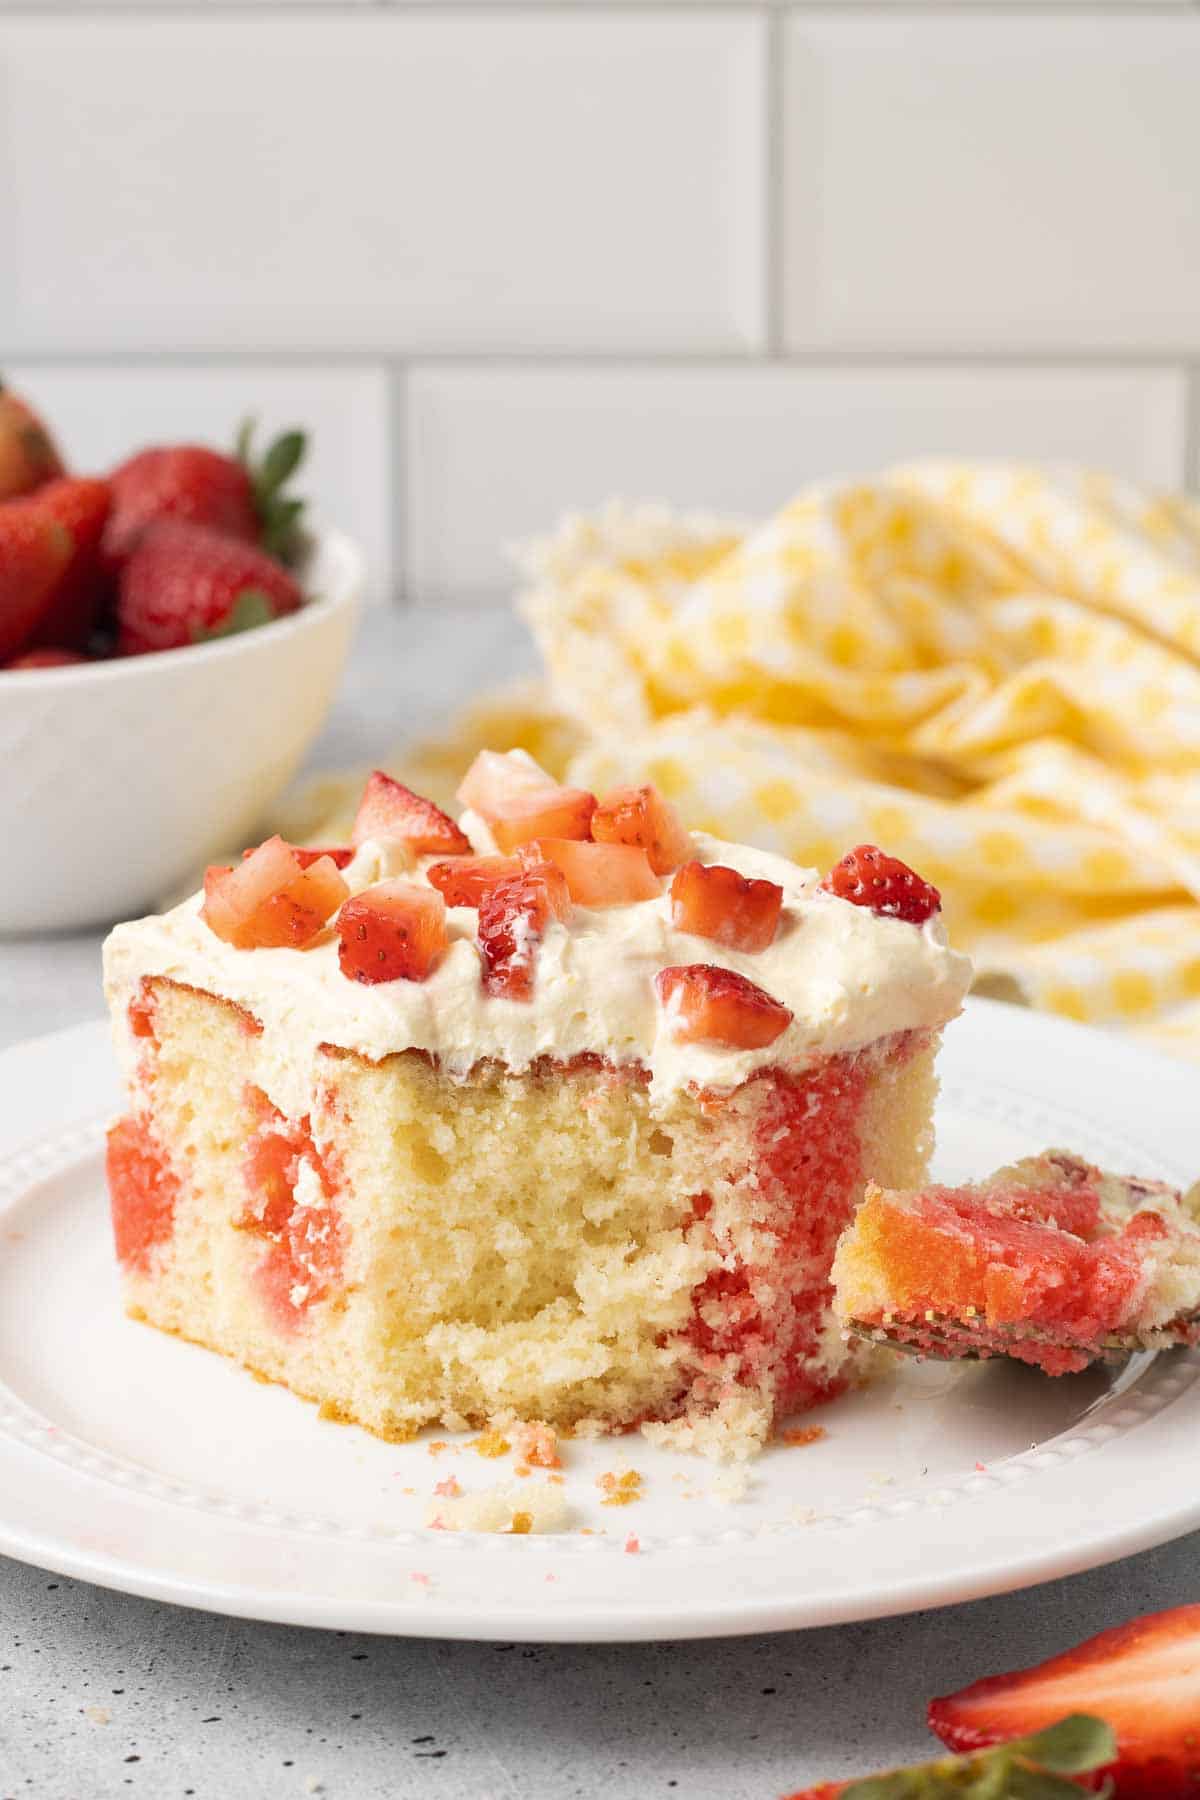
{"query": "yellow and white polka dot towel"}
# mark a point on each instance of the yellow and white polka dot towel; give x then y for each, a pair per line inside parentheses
(992, 672)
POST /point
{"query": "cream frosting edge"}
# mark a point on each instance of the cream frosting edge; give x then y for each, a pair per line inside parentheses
(849, 977)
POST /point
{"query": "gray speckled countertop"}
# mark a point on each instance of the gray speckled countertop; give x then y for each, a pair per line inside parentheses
(103, 1695)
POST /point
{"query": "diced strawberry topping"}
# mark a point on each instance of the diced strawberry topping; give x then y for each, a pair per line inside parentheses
(553, 812)
(272, 900)
(462, 879)
(1141, 1678)
(714, 902)
(341, 857)
(394, 931)
(640, 816)
(599, 874)
(143, 1191)
(711, 1005)
(389, 810)
(494, 781)
(869, 877)
(513, 917)
(520, 802)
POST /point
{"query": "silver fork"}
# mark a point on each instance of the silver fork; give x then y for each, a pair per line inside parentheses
(938, 1341)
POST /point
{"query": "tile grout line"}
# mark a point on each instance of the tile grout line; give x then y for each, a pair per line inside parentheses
(836, 359)
(225, 10)
(1191, 428)
(773, 197)
(399, 499)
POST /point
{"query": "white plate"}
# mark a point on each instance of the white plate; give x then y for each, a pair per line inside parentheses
(143, 1463)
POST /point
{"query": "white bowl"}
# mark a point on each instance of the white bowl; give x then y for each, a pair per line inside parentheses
(119, 779)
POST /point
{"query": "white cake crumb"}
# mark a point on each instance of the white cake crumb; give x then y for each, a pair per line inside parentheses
(99, 1715)
(731, 1485)
(517, 1508)
(733, 1431)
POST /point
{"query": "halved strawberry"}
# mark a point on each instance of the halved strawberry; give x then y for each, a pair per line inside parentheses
(272, 901)
(394, 931)
(1142, 1678)
(599, 874)
(714, 902)
(495, 779)
(462, 879)
(870, 877)
(706, 1004)
(389, 810)
(513, 917)
(640, 816)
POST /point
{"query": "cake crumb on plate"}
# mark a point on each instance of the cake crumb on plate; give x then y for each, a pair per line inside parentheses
(534, 1507)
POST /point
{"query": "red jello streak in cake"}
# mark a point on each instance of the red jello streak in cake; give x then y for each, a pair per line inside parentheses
(762, 1322)
(141, 1011)
(143, 1192)
(305, 1245)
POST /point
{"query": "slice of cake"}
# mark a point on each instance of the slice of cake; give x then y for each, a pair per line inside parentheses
(1051, 1261)
(557, 1112)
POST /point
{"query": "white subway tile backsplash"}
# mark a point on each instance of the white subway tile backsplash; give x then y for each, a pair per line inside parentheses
(422, 180)
(101, 414)
(974, 182)
(494, 454)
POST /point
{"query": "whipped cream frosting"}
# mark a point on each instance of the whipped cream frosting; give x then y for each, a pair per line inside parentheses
(848, 975)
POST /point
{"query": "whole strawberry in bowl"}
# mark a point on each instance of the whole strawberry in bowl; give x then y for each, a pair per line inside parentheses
(167, 655)
(28, 454)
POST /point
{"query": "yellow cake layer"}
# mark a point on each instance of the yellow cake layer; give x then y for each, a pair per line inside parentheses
(524, 1244)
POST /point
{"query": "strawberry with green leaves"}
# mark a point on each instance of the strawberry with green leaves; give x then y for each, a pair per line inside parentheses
(236, 495)
(187, 583)
(1039, 1767)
